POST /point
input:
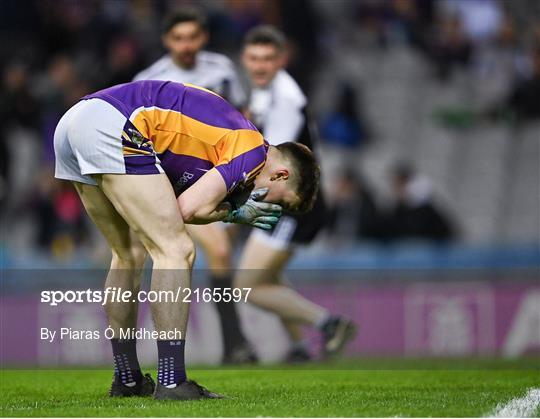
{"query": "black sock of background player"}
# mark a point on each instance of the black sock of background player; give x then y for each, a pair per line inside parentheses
(230, 324)
(126, 365)
(171, 366)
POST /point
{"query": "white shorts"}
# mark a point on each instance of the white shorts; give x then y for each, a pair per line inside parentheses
(88, 140)
(281, 237)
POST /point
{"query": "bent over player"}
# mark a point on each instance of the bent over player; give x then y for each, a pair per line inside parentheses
(146, 158)
(184, 37)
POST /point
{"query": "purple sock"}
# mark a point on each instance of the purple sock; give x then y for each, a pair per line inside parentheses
(126, 364)
(171, 367)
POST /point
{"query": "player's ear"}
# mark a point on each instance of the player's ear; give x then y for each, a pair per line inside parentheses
(280, 174)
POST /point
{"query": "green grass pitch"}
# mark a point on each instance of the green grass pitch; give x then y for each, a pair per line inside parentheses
(346, 388)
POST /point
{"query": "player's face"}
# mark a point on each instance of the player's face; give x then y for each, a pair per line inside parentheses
(184, 41)
(262, 62)
(285, 197)
(279, 191)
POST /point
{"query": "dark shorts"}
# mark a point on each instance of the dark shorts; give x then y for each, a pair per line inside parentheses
(296, 230)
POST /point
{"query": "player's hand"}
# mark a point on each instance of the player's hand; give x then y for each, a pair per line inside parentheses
(256, 213)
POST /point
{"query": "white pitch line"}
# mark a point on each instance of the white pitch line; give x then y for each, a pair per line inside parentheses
(520, 407)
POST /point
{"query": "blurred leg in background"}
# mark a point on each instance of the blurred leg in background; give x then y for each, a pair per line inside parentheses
(215, 241)
(260, 265)
(299, 350)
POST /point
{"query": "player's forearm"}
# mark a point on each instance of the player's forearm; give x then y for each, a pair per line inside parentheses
(202, 202)
(207, 215)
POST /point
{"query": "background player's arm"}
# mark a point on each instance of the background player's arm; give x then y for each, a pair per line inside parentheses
(202, 203)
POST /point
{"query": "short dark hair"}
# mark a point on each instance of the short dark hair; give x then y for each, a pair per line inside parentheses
(185, 14)
(306, 171)
(266, 35)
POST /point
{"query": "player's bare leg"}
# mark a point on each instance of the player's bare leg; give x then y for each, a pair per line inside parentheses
(293, 329)
(298, 352)
(216, 243)
(128, 256)
(258, 267)
(277, 260)
(135, 198)
(163, 235)
(260, 264)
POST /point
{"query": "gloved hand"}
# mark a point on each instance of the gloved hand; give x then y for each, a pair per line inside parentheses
(253, 212)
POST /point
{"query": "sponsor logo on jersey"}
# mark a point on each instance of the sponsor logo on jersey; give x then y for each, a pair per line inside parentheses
(182, 182)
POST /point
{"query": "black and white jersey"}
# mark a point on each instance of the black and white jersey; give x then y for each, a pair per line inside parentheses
(212, 71)
(279, 111)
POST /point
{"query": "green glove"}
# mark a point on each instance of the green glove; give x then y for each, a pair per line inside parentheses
(253, 212)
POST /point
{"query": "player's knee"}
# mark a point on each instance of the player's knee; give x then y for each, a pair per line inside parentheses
(188, 251)
(128, 258)
(185, 249)
(245, 279)
(139, 253)
(178, 251)
(219, 254)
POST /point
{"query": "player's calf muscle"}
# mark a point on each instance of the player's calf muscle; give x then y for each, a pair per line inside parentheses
(121, 315)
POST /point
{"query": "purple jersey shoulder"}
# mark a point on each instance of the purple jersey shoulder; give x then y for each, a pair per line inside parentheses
(198, 104)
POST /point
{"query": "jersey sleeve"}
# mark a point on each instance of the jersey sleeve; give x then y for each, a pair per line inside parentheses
(242, 156)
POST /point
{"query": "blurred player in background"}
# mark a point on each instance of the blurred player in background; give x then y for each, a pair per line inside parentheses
(184, 37)
(277, 106)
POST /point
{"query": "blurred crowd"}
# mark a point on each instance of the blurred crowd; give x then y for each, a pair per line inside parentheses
(56, 51)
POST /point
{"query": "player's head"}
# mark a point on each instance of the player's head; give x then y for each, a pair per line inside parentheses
(291, 175)
(184, 35)
(263, 54)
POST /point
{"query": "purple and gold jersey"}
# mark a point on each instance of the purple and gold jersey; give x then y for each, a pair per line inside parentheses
(186, 130)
